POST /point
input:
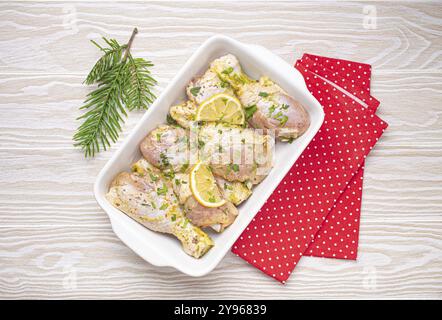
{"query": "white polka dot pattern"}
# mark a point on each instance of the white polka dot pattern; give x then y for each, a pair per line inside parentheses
(323, 189)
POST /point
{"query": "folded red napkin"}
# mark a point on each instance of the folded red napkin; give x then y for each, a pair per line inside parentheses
(339, 234)
(315, 209)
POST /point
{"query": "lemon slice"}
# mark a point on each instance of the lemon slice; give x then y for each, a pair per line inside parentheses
(204, 187)
(222, 108)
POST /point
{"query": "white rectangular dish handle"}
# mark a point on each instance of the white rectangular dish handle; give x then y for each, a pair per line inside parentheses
(276, 61)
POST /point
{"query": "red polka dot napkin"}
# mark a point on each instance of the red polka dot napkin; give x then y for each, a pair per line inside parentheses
(339, 234)
(315, 210)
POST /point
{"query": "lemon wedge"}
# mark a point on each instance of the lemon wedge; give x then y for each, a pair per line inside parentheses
(221, 108)
(204, 187)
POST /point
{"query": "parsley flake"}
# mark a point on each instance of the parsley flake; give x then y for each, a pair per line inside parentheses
(195, 90)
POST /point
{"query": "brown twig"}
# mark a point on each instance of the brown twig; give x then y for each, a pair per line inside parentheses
(129, 44)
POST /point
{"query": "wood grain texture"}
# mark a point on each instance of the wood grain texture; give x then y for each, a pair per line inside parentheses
(56, 242)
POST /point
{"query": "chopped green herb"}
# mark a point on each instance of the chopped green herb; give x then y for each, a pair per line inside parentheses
(153, 177)
(164, 206)
(220, 131)
(250, 111)
(240, 78)
(285, 106)
(162, 190)
(195, 90)
(220, 148)
(174, 217)
(184, 167)
(263, 94)
(201, 144)
(227, 70)
(282, 118)
(158, 137)
(235, 167)
(153, 205)
(169, 174)
(177, 182)
(227, 187)
(243, 140)
(164, 159)
(224, 84)
(170, 120)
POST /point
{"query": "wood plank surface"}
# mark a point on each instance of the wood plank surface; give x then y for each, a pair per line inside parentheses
(56, 242)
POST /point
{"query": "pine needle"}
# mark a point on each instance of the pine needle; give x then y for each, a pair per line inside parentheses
(124, 83)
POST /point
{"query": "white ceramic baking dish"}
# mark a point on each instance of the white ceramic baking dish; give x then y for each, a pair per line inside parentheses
(164, 250)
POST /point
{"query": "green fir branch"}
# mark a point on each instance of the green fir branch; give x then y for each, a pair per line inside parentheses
(124, 83)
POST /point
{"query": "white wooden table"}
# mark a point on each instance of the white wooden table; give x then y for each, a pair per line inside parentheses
(55, 241)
